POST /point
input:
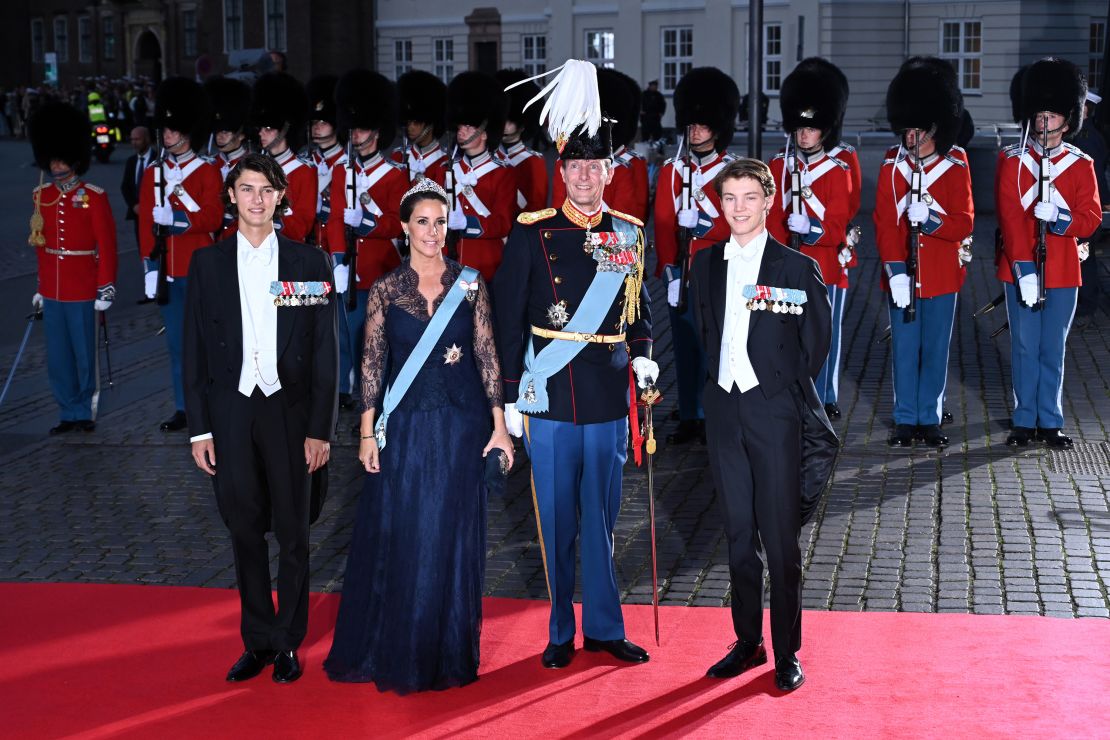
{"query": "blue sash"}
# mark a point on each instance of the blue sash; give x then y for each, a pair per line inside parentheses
(420, 352)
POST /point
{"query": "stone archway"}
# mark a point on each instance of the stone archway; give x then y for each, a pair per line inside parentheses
(148, 56)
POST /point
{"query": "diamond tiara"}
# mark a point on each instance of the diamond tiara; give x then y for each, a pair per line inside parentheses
(425, 185)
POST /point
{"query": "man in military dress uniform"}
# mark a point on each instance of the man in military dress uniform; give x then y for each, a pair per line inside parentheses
(1051, 104)
(706, 102)
(571, 308)
(481, 185)
(529, 166)
(924, 106)
(813, 104)
(366, 110)
(327, 151)
(231, 100)
(423, 112)
(180, 200)
(278, 110)
(74, 235)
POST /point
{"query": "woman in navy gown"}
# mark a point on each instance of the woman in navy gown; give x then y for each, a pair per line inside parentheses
(411, 610)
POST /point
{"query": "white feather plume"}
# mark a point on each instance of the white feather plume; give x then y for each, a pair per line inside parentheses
(573, 101)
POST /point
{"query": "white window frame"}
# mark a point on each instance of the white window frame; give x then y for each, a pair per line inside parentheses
(61, 40)
(233, 25)
(533, 51)
(38, 49)
(965, 61)
(402, 56)
(443, 58)
(189, 32)
(772, 73)
(84, 39)
(108, 34)
(1096, 40)
(675, 62)
(606, 45)
(277, 38)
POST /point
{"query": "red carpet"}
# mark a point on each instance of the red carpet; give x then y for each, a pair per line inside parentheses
(95, 661)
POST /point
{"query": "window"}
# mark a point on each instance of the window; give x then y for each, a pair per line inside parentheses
(36, 40)
(402, 57)
(599, 48)
(772, 58)
(678, 55)
(444, 59)
(961, 43)
(1095, 47)
(275, 25)
(189, 32)
(61, 38)
(84, 39)
(108, 33)
(535, 55)
(233, 25)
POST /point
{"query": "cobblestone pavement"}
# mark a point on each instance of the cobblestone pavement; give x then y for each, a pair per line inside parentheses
(975, 528)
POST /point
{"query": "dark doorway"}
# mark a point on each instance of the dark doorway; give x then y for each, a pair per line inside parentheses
(486, 52)
(148, 56)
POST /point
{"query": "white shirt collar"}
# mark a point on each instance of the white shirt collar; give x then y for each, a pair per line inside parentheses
(262, 254)
(750, 252)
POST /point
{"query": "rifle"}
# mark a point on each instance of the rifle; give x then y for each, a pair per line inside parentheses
(405, 156)
(915, 230)
(350, 254)
(1042, 226)
(795, 190)
(452, 240)
(161, 250)
(683, 232)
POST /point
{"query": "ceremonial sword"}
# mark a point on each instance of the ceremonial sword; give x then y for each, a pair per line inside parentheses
(31, 319)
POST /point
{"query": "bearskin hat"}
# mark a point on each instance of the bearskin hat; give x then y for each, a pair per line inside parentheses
(321, 99)
(477, 99)
(1015, 93)
(815, 95)
(367, 100)
(423, 98)
(60, 131)
(181, 105)
(1054, 85)
(528, 121)
(620, 102)
(279, 102)
(231, 102)
(923, 95)
(708, 96)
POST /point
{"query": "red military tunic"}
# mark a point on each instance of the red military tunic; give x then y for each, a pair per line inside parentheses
(829, 181)
(712, 227)
(430, 162)
(947, 183)
(530, 170)
(627, 193)
(1074, 191)
(300, 213)
(846, 153)
(486, 188)
(79, 255)
(225, 162)
(198, 201)
(325, 162)
(380, 184)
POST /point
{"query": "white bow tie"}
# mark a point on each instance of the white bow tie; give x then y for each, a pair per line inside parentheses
(261, 255)
(733, 250)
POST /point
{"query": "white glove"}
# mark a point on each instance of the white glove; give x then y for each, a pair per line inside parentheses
(647, 371)
(1027, 284)
(36, 301)
(342, 276)
(1047, 212)
(688, 218)
(100, 305)
(514, 420)
(917, 213)
(150, 283)
(900, 290)
(1083, 249)
(965, 254)
(456, 221)
(798, 223)
(163, 214)
(853, 236)
(844, 256)
(673, 289)
(352, 217)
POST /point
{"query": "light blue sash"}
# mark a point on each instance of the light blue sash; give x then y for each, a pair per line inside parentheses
(423, 348)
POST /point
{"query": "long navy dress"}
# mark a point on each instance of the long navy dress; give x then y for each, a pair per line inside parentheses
(411, 610)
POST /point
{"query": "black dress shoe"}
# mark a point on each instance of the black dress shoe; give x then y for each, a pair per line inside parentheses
(63, 427)
(945, 417)
(931, 435)
(687, 431)
(287, 668)
(1019, 437)
(175, 423)
(85, 425)
(558, 656)
(788, 673)
(832, 411)
(741, 656)
(902, 437)
(619, 649)
(1054, 438)
(250, 664)
(345, 401)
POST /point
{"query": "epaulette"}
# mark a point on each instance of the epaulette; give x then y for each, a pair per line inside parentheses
(671, 161)
(845, 146)
(780, 155)
(1077, 151)
(729, 157)
(502, 162)
(890, 160)
(395, 165)
(1014, 151)
(201, 157)
(955, 160)
(306, 159)
(626, 217)
(43, 186)
(531, 217)
(841, 163)
(632, 153)
(94, 188)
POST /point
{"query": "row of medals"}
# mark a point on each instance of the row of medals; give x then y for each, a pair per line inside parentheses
(775, 306)
(301, 300)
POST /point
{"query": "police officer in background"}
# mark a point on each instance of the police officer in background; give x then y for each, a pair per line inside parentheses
(924, 106)
(422, 98)
(278, 110)
(74, 236)
(529, 166)
(706, 102)
(326, 151)
(231, 100)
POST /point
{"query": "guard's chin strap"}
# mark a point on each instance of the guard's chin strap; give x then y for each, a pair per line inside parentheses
(478, 131)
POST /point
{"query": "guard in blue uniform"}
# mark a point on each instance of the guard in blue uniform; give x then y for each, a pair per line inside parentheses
(571, 310)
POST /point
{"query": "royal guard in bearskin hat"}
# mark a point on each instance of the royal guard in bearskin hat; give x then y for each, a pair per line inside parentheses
(529, 166)
(813, 202)
(1041, 226)
(74, 236)
(923, 212)
(688, 212)
(180, 207)
(369, 186)
(231, 103)
(278, 111)
(423, 114)
(569, 321)
(326, 151)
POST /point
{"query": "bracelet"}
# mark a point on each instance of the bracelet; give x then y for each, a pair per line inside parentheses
(366, 436)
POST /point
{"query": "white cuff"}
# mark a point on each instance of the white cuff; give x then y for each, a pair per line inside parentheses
(200, 437)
